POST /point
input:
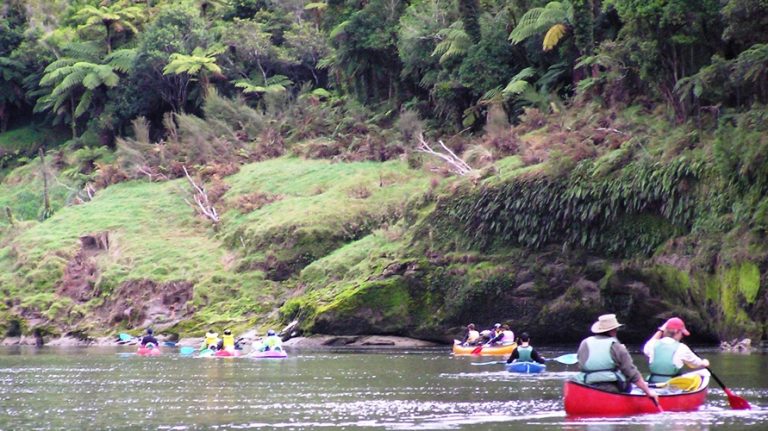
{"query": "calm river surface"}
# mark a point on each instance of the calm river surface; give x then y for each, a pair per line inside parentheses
(108, 388)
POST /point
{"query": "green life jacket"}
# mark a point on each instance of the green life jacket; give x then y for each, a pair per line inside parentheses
(524, 354)
(599, 366)
(663, 368)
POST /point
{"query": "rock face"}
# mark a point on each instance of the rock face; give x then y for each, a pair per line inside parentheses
(554, 297)
(81, 272)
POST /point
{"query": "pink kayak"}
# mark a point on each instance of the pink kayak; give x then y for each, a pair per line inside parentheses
(148, 351)
(268, 354)
(227, 354)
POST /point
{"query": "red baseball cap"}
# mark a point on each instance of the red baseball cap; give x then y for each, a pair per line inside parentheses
(677, 323)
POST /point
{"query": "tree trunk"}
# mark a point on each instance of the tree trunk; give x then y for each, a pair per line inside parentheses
(46, 200)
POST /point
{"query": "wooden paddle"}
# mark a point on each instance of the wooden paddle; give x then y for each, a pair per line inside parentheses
(736, 402)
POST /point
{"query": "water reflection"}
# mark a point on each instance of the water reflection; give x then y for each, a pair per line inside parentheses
(100, 389)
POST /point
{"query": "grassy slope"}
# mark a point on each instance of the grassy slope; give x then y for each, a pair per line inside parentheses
(155, 235)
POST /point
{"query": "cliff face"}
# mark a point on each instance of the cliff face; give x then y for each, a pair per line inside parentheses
(380, 248)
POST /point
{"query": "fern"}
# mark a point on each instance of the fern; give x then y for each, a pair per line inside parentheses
(553, 36)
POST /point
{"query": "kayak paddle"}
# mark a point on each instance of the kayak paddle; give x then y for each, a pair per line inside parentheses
(169, 343)
(477, 350)
(568, 359)
(489, 363)
(736, 402)
(125, 337)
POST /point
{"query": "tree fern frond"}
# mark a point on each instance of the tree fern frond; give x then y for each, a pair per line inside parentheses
(122, 60)
(338, 29)
(553, 36)
(85, 103)
(515, 88)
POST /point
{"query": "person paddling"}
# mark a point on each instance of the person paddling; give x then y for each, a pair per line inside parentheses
(525, 352)
(149, 338)
(502, 335)
(227, 341)
(272, 342)
(472, 336)
(606, 364)
(211, 340)
(667, 355)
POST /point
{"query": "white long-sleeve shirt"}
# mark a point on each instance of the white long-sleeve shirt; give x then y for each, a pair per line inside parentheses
(683, 355)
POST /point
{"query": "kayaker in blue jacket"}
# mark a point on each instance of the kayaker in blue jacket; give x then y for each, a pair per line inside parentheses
(605, 363)
(149, 338)
(667, 355)
(525, 352)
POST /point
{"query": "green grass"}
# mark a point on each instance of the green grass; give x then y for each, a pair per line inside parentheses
(23, 138)
(323, 205)
(22, 191)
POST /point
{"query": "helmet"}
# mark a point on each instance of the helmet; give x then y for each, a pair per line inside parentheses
(271, 332)
(149, 331)
(227, 332)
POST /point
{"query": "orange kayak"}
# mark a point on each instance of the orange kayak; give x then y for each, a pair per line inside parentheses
(501, 350)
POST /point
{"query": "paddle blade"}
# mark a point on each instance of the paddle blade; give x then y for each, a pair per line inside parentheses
(686, 383)
(169, 344)
(477, 350)
(187, 350)
(568, 359)
(736, 402)
(125, 337)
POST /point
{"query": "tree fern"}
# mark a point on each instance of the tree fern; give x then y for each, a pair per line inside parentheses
(455, 42)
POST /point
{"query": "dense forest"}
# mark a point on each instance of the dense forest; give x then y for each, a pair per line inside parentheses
(383, 166)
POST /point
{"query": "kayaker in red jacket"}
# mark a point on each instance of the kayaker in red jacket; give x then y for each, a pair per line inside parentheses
(606, 364)
(667, 355)
(525, 352)
(149, 339)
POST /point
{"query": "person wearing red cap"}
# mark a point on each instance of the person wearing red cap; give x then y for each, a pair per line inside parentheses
(667, 355)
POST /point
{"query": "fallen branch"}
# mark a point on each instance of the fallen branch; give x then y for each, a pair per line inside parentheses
(612, 130)
(202, 203)
(457, 165)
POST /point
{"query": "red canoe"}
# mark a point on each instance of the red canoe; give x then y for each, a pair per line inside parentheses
(226, 354)
(584, 400)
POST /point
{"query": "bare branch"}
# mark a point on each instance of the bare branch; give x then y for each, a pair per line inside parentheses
(457, 165)
(202, 204)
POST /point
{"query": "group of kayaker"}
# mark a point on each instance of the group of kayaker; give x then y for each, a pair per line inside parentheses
(227, 342)
(499, 334)
(606, 364)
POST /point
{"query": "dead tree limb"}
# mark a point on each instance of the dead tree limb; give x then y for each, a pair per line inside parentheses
(456, 164)
(202, 204)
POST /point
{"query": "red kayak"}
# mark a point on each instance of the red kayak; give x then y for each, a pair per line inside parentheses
(585, 400)
(148, 351)
(226, 354)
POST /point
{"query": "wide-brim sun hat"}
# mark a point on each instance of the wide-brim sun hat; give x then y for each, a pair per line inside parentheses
(605, 323)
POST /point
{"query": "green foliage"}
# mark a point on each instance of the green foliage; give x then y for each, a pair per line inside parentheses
(579, 209)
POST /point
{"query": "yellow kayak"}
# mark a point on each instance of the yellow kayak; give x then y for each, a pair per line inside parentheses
(501, 350)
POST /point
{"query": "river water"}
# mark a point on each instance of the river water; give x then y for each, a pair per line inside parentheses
(110, 388)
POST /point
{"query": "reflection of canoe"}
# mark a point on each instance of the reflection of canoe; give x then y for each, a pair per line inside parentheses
(268, 354)
(504, 350)
(526, 367)
(144, 351)
(584, 400)
(226, 354)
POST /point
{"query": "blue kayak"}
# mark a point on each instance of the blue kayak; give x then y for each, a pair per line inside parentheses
(526, 367)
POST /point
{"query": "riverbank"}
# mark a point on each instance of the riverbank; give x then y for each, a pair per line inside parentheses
(248, 338)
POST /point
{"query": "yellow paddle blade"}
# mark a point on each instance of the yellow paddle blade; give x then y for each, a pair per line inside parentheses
(686, 383)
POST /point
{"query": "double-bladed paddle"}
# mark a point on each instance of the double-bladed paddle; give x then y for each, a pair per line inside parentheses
(568, 359)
